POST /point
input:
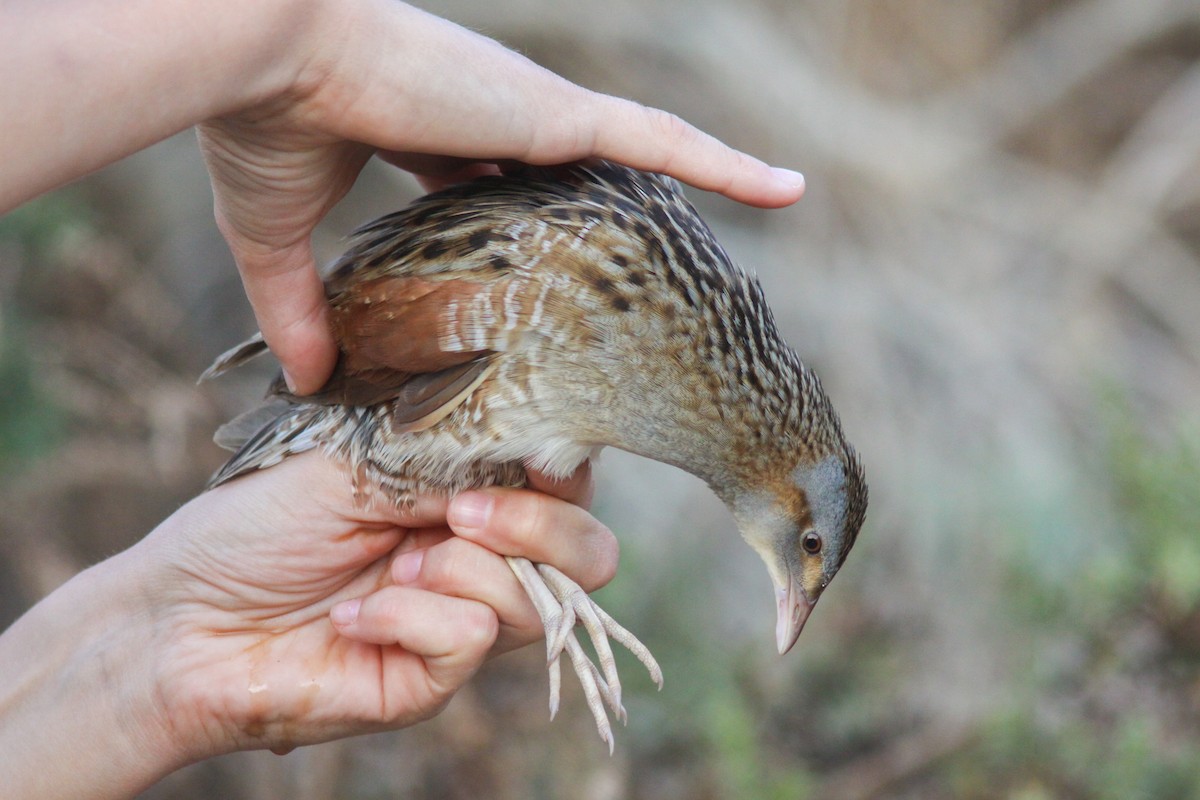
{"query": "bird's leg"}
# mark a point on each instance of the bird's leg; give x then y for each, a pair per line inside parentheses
(560, 602)
(557, 619)
(594, 690)
(600, 627)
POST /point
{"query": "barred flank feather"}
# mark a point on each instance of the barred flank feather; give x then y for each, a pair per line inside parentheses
(265, 436)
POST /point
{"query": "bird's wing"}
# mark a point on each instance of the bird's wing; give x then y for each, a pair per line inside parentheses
(449, 281)
(390, 354)
(410, 324)
(420, 345)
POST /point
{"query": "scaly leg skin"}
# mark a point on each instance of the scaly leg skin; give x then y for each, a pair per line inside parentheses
(560, 603)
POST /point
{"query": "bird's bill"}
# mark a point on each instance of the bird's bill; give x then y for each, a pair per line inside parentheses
(794, 608)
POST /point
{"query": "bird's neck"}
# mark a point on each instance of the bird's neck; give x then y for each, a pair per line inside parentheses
(722, 424)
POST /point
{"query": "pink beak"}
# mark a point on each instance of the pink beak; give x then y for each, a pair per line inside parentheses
(794, 608)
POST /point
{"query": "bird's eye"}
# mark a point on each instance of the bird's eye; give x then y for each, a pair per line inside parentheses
(811, 543)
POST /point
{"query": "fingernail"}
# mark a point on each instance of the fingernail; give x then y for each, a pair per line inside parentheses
(470, 511)
(345, 613)
(788, 176)
(408, 566)
(291, 384)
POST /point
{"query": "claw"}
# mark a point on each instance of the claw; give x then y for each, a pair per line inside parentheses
(560, 603)
(632, 644)
(555, 644)
(591, 690)
(555, 686)
(611, 698)
(592, 623)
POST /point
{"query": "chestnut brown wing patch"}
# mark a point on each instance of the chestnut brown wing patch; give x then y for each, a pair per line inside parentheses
(388, 331)
(393, 322)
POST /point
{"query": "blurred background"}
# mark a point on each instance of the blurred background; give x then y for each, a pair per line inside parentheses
(996, 272)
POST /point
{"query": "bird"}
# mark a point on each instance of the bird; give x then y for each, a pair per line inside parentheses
(529, 319)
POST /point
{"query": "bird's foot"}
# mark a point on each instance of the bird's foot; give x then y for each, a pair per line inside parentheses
(560, 602)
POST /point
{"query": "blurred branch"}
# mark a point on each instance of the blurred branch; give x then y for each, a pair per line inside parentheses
(1068, 46)
(900, 762)
(27, 501)
(1162, 151)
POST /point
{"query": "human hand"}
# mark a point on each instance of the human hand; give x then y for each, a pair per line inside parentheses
(214, 633)
(249, 657)
(378, 76)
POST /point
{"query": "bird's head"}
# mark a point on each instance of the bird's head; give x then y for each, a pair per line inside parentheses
(803, 526)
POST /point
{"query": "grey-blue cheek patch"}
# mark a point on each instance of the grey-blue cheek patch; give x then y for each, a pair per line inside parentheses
(825, 486)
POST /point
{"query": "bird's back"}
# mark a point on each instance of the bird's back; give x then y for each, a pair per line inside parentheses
(531, 318)
(451, 316)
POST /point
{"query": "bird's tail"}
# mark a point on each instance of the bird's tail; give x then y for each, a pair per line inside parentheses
(235, 356)
(266, 435)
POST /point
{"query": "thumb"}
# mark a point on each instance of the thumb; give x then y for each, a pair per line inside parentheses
(288, 298)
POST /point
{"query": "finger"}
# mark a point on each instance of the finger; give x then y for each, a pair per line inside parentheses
(420, 539)
(461, 568)
(544, 529)
(579, 488)
(425, 511)
(436, 184)
(288, 298)
(451, 634)
(325, 481)
(658, 141)
(436, 172)
(426, 164)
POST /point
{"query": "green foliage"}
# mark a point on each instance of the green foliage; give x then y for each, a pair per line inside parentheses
(1125, 759)
(1158, 492)
(36, 227)
(734, 732)
(28, 236)
(1109, 648)
(28, 420)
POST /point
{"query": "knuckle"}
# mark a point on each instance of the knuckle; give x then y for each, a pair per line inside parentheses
(447, 563)
(521, 517)
(528, 628)
(567, 137)
(577, 139)
(523, 619)
(384, 610)
(671, 126)
(480, 628)
(441, 691)
(605, 558)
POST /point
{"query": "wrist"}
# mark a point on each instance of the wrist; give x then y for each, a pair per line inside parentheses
(79, 669)
(133, 73)
(271, 56)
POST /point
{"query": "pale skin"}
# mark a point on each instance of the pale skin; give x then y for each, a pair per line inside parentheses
(276, 611)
